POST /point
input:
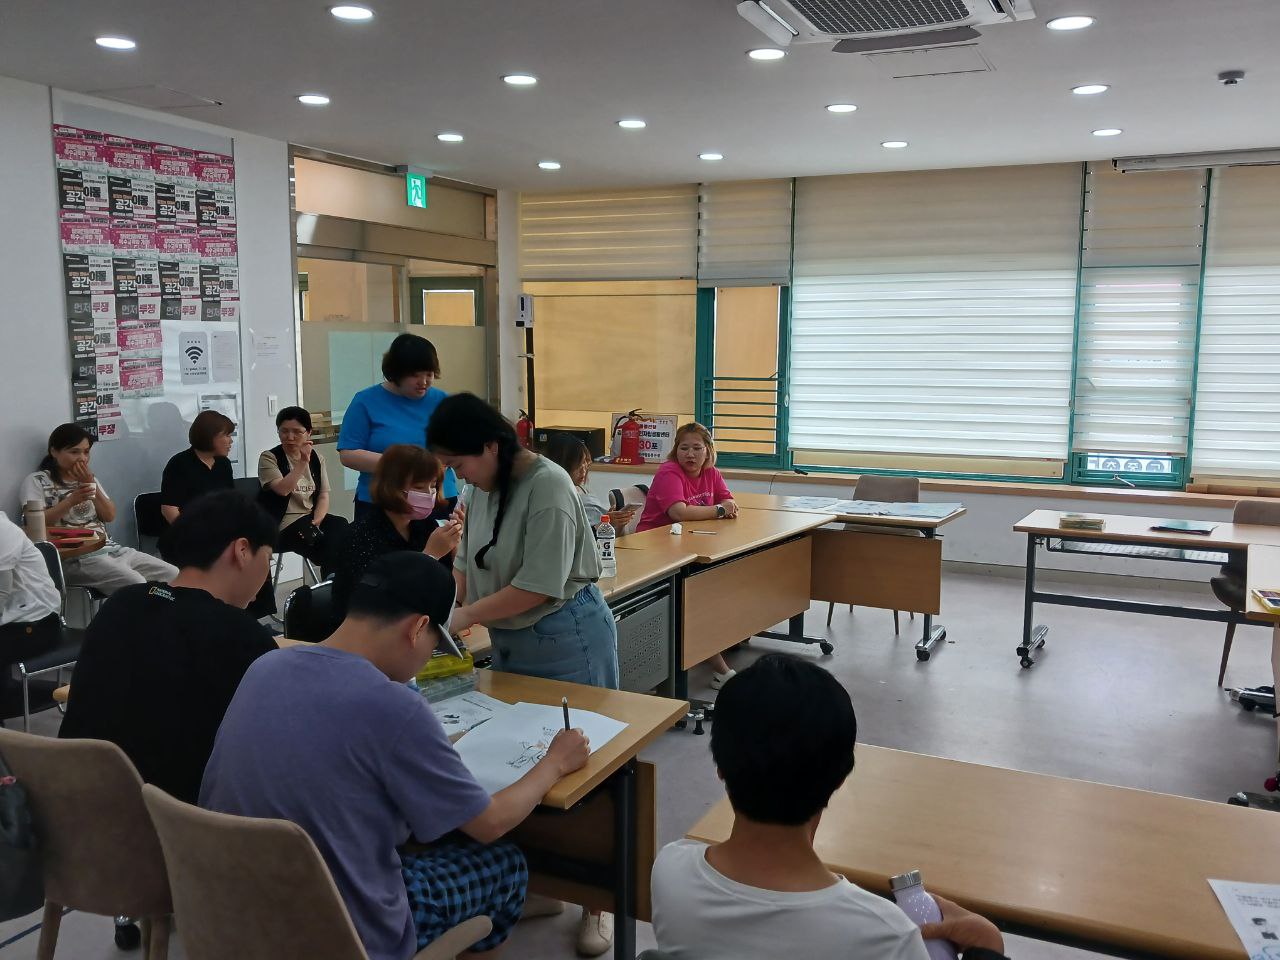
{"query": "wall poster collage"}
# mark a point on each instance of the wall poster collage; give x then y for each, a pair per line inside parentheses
(148, 235)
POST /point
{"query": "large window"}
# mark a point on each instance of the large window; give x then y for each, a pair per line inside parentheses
(933, 315)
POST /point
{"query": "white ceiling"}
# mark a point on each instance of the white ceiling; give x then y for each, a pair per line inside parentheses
(423, 66)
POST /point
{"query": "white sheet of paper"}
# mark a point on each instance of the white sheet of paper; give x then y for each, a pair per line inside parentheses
(467, 711)
(1254, 912)
(501, 751)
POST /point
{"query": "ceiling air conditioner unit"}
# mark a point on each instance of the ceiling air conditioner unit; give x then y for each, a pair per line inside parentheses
(862, 25)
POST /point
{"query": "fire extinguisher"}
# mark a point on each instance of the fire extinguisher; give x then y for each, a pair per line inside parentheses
(628, 428)
(524, 431)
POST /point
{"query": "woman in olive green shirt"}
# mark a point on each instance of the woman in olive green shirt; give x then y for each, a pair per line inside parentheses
(527, 564)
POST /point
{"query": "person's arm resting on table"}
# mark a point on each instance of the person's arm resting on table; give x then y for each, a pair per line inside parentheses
(508, 808)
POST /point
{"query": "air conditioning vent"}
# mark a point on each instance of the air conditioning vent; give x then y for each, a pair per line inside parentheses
(818, 21)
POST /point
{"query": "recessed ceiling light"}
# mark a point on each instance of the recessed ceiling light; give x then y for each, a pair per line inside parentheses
(1089, 89)
(711, 156)
(766, 53)
(313, 99)
(1070, 23)
(894, 144)
(1108, 132)
(632, 124)
(352, 12)
(520, 79)
(841, 107)
(449, 137)
(115, 43)
(548, 165)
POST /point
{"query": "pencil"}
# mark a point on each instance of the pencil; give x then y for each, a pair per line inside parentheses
(564, 702)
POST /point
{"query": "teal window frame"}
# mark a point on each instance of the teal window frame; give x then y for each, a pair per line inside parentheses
(704, 370)
(1080, 474)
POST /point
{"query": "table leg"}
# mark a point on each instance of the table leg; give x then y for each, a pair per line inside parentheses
(1033, 637)
(625, 811)
(1275, 669)
(795, 634)
(931, 635)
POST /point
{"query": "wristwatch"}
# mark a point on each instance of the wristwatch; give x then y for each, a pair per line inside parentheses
(721, 512)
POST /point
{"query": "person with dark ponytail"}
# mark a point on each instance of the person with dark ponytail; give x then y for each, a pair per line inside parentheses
(527, 567)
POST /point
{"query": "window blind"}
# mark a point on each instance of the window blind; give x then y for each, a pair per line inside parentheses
(744, 233)
(1237, 417)
(1139, 290)
(649, 233)
(933, 312)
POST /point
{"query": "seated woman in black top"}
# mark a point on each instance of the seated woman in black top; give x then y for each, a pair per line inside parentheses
(200, 469)
(295, 491)
(409, 516)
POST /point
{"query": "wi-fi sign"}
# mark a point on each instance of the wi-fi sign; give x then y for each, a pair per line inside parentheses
(194, 352)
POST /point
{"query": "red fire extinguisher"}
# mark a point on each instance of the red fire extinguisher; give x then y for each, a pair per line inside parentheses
(524, 430)
(628, 428)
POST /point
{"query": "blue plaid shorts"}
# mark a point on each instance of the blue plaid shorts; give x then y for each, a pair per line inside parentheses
(456, 879)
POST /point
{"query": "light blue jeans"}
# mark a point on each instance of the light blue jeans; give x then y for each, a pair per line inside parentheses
(578, 643)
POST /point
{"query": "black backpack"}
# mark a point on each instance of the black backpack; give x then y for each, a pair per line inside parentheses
(276, 504)
(21, 869)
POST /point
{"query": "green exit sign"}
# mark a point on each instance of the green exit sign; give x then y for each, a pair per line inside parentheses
(415, 190)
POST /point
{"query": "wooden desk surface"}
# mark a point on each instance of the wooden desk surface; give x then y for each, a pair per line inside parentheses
(1225, 536)
(644, 558)
(722, 539)
(1105, 864)
(1263, 573)
(773, 501)
(647, 718)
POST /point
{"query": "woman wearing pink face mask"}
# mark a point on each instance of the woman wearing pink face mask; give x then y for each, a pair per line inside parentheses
(410, 515)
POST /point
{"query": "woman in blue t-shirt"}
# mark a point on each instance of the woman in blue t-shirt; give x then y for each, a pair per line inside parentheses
(394, 411)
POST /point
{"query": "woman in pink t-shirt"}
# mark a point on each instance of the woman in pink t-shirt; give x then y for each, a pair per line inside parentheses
(689, 487)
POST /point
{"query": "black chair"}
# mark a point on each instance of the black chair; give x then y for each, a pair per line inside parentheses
(147, 516)
(62, 657)
(309, 613)
(249, 486)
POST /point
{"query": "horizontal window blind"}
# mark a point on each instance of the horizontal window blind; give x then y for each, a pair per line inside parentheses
(933, 312)
(744, 233)
(1139, 291)
(649, 233)
(1237, 418)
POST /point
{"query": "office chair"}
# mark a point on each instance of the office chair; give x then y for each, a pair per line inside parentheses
(1229, 585)
(63, 656)
(147, 517)
(309, 613)
(878, 489)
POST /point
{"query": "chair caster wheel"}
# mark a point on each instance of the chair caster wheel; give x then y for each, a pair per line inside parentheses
(826, 648)
(128, 936)
(1248, 706)
(1238, 800)
(1027, 662)
(922, 655)
(697, 729)
(681, 723)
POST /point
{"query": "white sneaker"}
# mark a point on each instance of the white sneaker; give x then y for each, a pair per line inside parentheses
(718, 680)
(536, 905)
(595, 933)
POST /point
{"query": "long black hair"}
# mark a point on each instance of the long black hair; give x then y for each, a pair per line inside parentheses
(566, 451)
(64, 436)
(462, 425)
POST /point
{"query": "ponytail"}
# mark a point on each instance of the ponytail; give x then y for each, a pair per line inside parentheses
(463, 425)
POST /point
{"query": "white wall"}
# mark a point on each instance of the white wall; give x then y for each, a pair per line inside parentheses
(510, 340)
(34, 364)
(985, 533)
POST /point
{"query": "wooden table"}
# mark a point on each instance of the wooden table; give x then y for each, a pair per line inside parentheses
(594, 839)
(1101, 867)
(1126, 538)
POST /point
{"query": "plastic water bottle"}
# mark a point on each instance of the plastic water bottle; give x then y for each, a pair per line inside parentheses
(910, 894)
(606, 536)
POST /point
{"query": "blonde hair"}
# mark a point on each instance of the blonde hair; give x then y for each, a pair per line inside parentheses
(703, 434)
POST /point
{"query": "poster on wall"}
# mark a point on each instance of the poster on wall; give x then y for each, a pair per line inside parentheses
(657, 434)
(148, 236)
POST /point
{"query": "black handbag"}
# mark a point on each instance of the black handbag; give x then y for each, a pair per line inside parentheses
(21, 871)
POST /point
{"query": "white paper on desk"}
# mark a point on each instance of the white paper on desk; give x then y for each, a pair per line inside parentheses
(467, 711)
(929, 511)
(859, 508)
(808, 503)
(1254, 912)
(501, 751)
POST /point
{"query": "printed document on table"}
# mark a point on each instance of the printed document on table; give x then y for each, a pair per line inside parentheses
(1254, 912)
(506, 747)
(467, 711)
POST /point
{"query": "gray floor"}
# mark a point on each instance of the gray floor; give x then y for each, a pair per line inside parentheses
(1116, 698)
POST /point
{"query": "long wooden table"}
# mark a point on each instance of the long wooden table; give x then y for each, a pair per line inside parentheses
(1128, 538)
(594, 838)
(1107, 868)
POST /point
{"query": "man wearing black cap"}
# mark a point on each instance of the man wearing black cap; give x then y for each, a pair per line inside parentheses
(329, 736)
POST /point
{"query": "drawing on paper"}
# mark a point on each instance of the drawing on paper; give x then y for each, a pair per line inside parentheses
(532, 750)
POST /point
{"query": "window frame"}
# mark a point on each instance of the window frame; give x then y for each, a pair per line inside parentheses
(420, 285)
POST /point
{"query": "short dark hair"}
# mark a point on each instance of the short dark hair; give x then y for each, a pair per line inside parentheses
(300, 414)
(210, 523)
(407, 355)
(400, 467)
(566, 451)
(783, 739)
(207, 425)
(64, 437)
